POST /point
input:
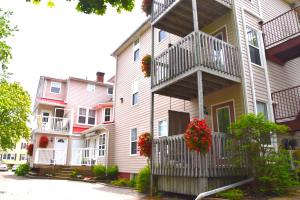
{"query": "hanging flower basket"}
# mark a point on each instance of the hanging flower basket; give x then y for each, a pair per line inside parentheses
(146, 6)
(44, 140)
(146, 65)
(30, 149)
(198, 136)
(145, 144)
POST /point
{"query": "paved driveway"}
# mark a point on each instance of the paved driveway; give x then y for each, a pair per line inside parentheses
(20, 188)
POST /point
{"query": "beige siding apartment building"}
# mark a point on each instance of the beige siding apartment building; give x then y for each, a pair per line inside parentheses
(212, 59)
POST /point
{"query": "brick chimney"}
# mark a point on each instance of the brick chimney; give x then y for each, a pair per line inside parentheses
(100, 77)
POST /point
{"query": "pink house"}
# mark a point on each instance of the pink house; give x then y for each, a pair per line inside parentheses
(76, 116)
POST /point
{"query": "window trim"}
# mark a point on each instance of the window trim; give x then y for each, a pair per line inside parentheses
(132, 92)
(160, 120)
(105, 143)
(51, 85)
(217, 116)
(158, 36)
(110, 116)
(86, 116)
(136, 47)
(259, 43)
(267, 106)
(223, 30)
(108, 92)
(273, 137)
(130, 141)
(89, 85)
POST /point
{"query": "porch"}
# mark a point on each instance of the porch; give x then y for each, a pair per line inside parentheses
(49, 124)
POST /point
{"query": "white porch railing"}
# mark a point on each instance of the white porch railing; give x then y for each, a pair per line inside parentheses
(52, 124)
(50, 156)
(88, 156)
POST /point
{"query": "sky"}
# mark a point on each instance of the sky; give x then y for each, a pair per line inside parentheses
(61, 42)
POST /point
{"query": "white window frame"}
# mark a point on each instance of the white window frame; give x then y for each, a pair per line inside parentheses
(158, 32)
(136, 46)
(86, 116)
(134, 91)
(21, 158)
(259, 40)
(102, 150)
(267, 106)
(130, 150)
(112, 91)
(23, 145)
(91, 87)
(158, 130)
(110, 115)
(57, 86)
(218, 115)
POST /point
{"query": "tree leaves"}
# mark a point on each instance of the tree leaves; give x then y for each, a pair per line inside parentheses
(14, 114)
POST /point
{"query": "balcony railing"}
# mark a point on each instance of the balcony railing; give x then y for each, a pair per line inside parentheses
(52, 124)
(281, 28)
(196, 49)
(286, 103)
(171, 157)
(50, 156)
(160, 6)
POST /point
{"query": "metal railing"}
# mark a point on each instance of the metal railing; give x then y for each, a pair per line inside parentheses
(160, 6)
(196, 49)
(52, 124)
(88, 156)
(171, 157)
(286, 103)
(281, 28)
(50, 156)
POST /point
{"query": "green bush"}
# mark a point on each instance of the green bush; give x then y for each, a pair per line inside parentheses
(22, 170)
(112, 172)
(99, 171)
(74, 174)
(123, 182)
(233, 194)
(143, 180)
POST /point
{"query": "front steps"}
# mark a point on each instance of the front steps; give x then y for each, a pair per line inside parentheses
(64, 173)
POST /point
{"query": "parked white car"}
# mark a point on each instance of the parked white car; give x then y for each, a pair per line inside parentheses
(14, 167)
(3, 167)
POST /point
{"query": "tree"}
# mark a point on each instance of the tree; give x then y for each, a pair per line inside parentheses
(6, 31)
(97, 7)
(14, 114)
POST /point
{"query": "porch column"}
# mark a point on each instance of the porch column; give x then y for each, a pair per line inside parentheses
(200, 94)
(195, 15)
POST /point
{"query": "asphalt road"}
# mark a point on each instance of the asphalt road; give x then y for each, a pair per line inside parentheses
(20, 188)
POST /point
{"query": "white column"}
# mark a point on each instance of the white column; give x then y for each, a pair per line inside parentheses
(200, 95)
(195, 15)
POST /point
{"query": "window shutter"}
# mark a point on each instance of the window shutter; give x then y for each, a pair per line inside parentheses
(15, 156)
(178, 122)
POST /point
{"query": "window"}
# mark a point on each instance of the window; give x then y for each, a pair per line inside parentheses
(161, 35)
(107, 114)
(135, 93)
(92, 117)
(4, 156)
(86, 146)
(253, 41)
(261, 107)
(82, 115)
(22, 157)
(223, 119)
(91, 87)
(102, 145)
(133, 141)
(162, 128)
(136, 50)
(45, 117)
(110, 91)
(23, 145)
(9, 156)
(55, 87)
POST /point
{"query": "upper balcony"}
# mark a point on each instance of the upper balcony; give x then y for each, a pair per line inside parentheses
(52, 125)
(176, 16)
(282, 37)
(173, 72)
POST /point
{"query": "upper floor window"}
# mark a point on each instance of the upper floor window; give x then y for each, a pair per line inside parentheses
(55, 87)
(110, 91)
(162, 128)
(161, 35)
(133, 141)
(91, 87)
(86, 116)
(261, 107)
(23, 145)
(107, 114)
(136, 50)
(254, 47)
(135, 93)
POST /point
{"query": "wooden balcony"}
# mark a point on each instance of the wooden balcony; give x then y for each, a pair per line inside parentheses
(282, 37)
(173, 72)
(176, 16)
(183, 171)
(287, 107)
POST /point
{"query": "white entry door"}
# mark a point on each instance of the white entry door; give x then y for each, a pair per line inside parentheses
(61, 147)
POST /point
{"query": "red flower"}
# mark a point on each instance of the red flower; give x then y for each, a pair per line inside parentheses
(145, 144)
(198, 136)
(43, 143)
(30, 149)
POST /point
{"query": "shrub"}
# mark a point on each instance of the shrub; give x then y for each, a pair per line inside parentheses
(30, 149)
(143, 180)
(99, 171)
(123, 182)
(22, 170)
(74, 174)
(44, 140)
(112, 172)
(233, 194)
